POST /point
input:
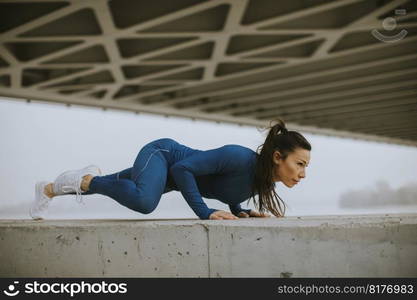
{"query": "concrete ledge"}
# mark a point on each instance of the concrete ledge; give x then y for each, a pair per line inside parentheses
(313, 246)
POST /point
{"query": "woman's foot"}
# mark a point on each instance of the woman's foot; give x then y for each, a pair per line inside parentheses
(71, 181)
(49, 191)
(85, 183)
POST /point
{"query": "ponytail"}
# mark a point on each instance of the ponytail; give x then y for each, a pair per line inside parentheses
(279, 138)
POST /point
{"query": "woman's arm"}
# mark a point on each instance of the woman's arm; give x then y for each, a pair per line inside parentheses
(215, 161)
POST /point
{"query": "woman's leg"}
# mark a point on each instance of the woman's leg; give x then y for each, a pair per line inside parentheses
(139, 188)
(124, 174)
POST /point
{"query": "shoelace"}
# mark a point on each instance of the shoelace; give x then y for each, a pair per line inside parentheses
(78, 196)
(76, 187)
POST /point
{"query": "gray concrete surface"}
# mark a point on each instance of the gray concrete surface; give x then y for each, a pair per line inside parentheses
(311, 246)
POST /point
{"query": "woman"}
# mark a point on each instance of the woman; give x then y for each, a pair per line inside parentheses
(231, 174)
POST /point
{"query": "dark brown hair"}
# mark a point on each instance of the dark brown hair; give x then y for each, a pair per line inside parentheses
(278, 139)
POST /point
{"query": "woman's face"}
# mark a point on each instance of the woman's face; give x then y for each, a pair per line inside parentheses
(291, 170)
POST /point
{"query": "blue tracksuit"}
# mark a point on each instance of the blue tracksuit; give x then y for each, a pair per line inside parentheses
(225, 173)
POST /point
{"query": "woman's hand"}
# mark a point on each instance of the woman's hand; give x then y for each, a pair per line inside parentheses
(222, 215)
(253, 213)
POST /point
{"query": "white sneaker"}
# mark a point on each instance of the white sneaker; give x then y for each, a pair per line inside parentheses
(70, 181)
(40, 206)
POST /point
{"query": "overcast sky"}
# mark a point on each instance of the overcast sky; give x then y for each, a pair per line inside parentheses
(41, 140)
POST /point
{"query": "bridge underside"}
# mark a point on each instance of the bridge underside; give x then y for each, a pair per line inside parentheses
(344, 68)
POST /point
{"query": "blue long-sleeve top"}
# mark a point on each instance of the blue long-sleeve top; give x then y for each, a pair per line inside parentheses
(225, 173)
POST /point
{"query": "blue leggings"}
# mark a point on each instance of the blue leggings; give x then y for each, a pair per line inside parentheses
(139, 188)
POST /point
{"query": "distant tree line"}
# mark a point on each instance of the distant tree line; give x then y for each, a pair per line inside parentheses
(381, 196)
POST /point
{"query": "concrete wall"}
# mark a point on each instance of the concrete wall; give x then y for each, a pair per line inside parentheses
(322, 246)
